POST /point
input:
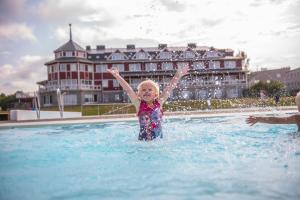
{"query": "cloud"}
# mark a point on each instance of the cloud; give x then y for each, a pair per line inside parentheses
(211, 22)
(173, 5)
(17, 32)
(24, 74)
(11, 9)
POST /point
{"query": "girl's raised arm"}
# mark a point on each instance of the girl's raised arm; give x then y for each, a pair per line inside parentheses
(167, 91)
(132, 95)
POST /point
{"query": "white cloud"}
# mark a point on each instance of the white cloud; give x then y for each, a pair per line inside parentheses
(28, 70)
(17, 32)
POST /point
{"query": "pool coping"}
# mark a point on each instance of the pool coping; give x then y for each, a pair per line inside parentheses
(168, 115)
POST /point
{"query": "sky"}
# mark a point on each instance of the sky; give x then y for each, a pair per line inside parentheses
(30, 30)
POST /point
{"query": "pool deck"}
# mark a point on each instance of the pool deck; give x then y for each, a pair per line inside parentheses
(132, 117)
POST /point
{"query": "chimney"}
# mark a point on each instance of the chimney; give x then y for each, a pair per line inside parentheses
(100, 47)
(162, 46)
(88, 48)
(130, 46)
(192, 45)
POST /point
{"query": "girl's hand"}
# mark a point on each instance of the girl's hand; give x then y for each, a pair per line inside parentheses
(114, 71)
(183, 71)
(251, 120)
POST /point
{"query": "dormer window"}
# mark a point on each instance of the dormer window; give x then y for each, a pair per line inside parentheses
(118, 56)
(188, 54)
(165, 55)
(140, 55)
(212, 54)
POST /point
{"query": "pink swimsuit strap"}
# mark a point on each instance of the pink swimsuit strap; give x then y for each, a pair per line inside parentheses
(144, 107)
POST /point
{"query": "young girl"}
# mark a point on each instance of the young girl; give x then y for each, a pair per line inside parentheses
(148, 102)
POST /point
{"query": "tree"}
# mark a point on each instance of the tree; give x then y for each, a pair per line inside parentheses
(272, 88)
(7, 101)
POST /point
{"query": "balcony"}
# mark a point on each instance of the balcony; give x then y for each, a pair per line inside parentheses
(53, 88)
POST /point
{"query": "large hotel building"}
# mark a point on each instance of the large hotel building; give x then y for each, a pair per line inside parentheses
(81, 73)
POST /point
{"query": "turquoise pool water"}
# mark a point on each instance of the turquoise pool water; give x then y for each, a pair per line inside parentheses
(208, 158)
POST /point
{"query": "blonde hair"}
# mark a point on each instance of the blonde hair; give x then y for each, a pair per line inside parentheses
(155, 85)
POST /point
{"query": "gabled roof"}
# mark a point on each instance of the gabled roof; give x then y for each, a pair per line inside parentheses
(70, 46)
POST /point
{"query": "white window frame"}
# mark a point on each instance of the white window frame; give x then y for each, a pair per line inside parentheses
(105, 83)
(70, 99)
(167, 66)
(214, 65)
(120, 67)
(55, 68)
(101, 68)
(188, 54)
(73, 67)
(229, 64)
(151, 66)
(62, 67)
(117, 97)
(198, 65)
(90, 68)
(116, 83)
(82, 67)
(165, 55)
(117, 56)
(141, 55)
(134, 67)
(181, 64)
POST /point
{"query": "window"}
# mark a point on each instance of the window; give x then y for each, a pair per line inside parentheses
(214, 65)
(82, 67)
(90, 68)
(117, 56)
(73, 67)
(165, 55)
(151, 66)
(182, 64)
(120, 67)
(55, 68)
(229, 64)
(211, 54)
(198, 65)
(88, 98)
(70, 99)
(117, 97)
(101, 68)
(69, 53)
(115, 83)
(104, 83)
(140, 55)
(133, 67)
(48, 100)
(167, 66)
(188, 54)
(62, 67)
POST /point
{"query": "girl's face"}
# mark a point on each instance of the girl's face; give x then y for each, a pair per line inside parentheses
(147, 92)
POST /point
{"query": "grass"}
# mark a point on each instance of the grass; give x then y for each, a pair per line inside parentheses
(125, 108)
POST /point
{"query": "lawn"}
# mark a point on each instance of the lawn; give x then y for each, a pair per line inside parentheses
(190, 105)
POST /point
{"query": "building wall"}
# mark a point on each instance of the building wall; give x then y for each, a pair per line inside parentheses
(215, 73)
(290, 78)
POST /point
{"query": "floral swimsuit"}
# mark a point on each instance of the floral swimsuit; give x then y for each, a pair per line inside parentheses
(150, 119)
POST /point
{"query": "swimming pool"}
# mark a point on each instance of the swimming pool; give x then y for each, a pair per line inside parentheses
(204, 158)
